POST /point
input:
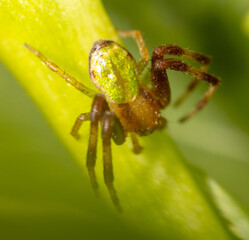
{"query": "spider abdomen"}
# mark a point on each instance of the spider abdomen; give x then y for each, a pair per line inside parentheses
(113, 71)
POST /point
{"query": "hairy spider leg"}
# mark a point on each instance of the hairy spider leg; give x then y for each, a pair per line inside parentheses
(136, 146)
(100, 113)
(160, 83)
(177, 65)
(111, 128)
(181, 52)
(53, 67)
(143, 62)
(107, 123)
(188, 90)
(80, 119)
(118, 133)
(98, 108)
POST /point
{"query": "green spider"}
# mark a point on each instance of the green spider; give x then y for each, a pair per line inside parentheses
(124, 105)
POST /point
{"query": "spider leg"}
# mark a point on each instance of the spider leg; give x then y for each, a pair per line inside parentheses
(118, 133)
(80, 119)
(160, 84)
(137, 147)
(189, 89)
(107, 123)
(98, 107)
(53, 67)
(160, 65)
(141, 46)
(181, 52)
(162, 123)
(198, 57)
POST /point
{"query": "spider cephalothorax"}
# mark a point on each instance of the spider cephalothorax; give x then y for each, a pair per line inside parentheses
(125, 106)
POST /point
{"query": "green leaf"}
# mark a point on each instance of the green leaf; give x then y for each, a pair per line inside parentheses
(159, 193)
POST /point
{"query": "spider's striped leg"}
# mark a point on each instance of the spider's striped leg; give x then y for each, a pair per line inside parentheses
(107, 123)
(80, 119)
(170, 49)
(160, 65)
(136, 146)
(160, 83)
(118, 133)
(98, 108)
(53, 67)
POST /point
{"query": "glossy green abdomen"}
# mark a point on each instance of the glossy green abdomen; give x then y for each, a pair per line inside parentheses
(113, 71)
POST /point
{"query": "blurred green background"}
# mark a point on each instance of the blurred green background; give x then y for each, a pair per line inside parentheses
(36, 170)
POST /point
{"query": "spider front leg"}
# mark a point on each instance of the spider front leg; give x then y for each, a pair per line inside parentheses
(198, 57)
(181, 52)
(136, 146)
(141, 46)
(98, 108)
(107, 124)
(160, 65)
(81, 118)
(53, 67)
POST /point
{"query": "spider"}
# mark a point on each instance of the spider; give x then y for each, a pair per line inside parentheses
(124, 105)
